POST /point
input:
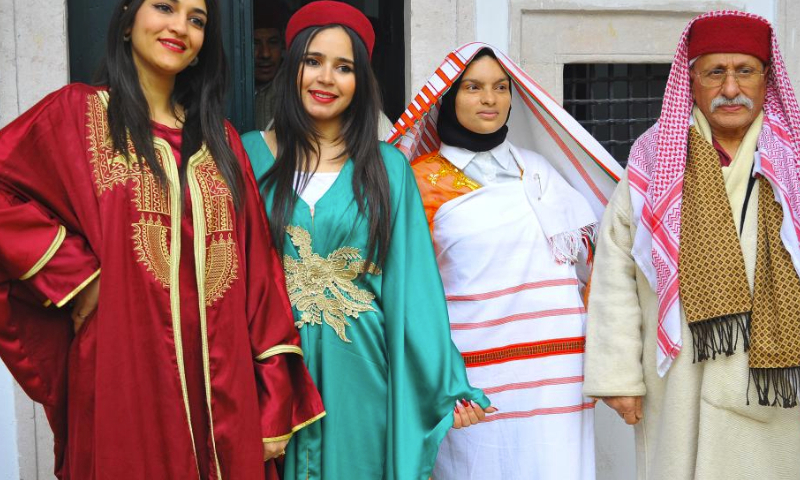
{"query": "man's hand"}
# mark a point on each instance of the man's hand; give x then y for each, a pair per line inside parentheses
(629, 408)
(274, 449)
(469, 413)
(85, 304)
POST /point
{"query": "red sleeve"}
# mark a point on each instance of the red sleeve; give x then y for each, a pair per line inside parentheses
(288, 398)
(38, 250)
(47, 202)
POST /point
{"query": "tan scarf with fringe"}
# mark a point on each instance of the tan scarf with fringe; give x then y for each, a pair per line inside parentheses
(714, 289)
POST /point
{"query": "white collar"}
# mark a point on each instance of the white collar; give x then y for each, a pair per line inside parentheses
(460, 157)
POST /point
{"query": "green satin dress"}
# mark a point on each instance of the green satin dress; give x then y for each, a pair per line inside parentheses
(378, 348)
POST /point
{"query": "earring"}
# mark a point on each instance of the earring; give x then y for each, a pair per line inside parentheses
(194, 61)
(126, 37)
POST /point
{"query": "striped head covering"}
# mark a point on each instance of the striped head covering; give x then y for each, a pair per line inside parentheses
(655, 172)
(537, 123)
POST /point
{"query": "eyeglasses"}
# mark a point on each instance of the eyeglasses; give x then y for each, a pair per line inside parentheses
(745, 76)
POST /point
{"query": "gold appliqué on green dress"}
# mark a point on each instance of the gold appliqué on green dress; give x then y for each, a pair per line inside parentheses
(322, 288)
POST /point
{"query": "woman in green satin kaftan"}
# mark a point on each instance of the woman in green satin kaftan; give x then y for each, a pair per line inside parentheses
(373, 327)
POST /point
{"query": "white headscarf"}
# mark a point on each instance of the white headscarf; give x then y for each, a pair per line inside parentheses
(537, 123)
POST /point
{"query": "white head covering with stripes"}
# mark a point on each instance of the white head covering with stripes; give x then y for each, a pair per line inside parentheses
(537, 123)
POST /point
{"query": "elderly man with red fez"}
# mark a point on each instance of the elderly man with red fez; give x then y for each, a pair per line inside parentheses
(694, 313)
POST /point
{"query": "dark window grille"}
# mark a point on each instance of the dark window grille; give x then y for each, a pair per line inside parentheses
(615, 102)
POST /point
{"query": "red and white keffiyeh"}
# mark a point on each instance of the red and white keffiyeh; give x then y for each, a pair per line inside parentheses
(537, 123)
(655, 173)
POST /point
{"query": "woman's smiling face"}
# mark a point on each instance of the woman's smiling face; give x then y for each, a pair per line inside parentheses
(327, 80)
(167, 35)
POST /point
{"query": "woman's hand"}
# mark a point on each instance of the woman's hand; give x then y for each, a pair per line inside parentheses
(274, 449)
(469, 413)
(85, 304)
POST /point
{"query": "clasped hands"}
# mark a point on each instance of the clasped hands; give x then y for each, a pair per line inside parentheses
(465, 414)
(469, 413)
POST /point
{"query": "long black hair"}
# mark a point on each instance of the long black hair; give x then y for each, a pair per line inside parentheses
(299, 147)
(199, 89)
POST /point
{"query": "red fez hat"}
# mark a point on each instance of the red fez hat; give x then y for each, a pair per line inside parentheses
(322, 13)
(731, 34)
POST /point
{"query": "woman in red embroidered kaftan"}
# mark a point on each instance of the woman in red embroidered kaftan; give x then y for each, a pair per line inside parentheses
(189, 366)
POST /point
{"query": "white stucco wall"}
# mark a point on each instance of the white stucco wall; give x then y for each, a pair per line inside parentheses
(433, 28)
(9, 462)
(787, 16)
(33, 53)
(492, 23)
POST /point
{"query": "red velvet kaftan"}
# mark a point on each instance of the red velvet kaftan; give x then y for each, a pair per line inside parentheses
(191, 358)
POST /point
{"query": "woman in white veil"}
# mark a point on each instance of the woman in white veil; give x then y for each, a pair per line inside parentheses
(513, 188)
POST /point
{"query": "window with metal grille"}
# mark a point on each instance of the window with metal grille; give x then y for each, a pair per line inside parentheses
(615, 102)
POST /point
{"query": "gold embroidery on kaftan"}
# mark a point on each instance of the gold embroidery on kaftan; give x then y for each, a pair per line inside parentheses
(151, 234)
(148, 195)
(460, 179)
(222, 261)
(322, 288)
(110, 168)
(152, 248)
(222, 265)
(217, 200)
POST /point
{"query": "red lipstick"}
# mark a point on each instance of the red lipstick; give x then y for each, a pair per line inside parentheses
(322, 96)
(173, 44)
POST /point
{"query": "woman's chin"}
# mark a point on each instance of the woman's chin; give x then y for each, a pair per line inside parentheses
(485, 129)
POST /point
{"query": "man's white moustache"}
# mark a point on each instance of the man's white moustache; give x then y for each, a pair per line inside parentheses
(729, 102)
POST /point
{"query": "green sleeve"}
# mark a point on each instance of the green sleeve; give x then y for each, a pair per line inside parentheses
(427, 373)
(260, 157)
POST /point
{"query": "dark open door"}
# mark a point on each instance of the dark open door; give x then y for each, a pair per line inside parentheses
(87, 28)
(237, 30)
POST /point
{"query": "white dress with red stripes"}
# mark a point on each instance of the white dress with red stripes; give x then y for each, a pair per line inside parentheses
(517, 315)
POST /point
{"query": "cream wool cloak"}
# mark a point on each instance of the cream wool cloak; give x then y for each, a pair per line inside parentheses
(697, 421)
(696, 424)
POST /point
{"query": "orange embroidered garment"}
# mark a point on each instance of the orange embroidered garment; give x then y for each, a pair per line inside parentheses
(439, 181)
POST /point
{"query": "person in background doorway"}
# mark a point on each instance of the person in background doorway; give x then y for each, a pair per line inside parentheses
(269, 24)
